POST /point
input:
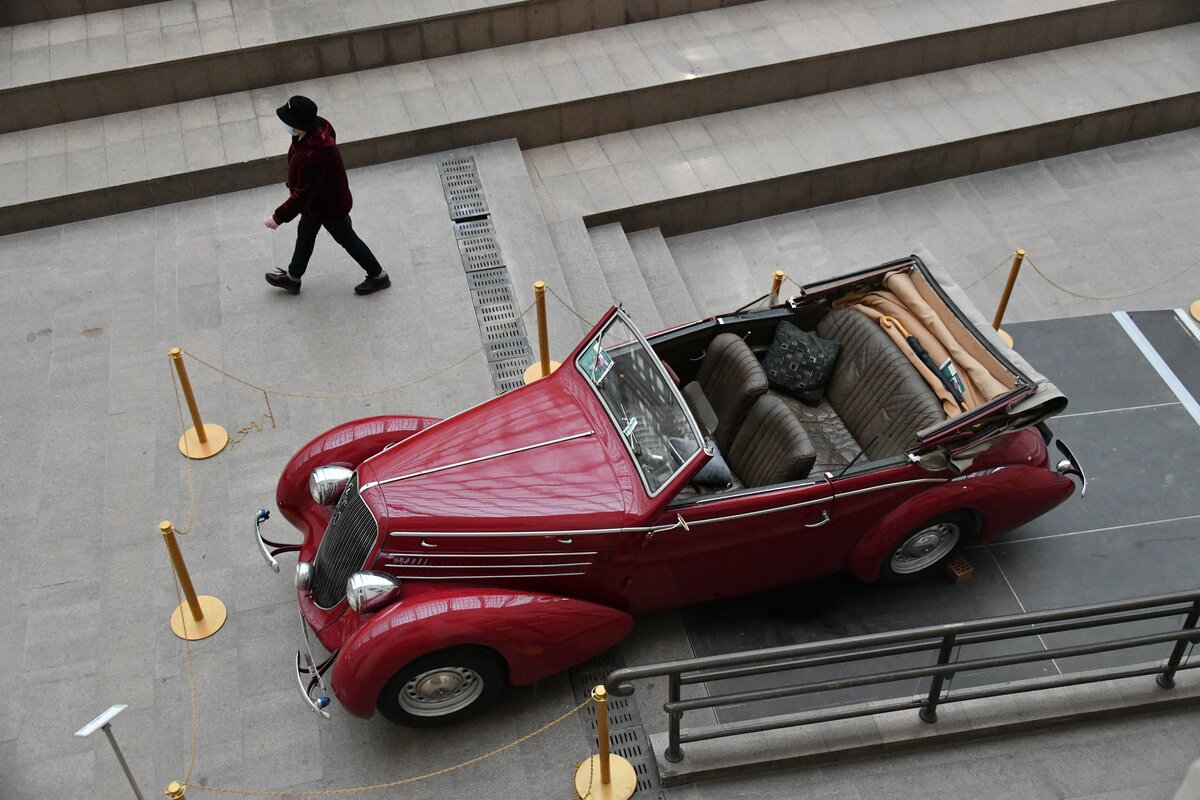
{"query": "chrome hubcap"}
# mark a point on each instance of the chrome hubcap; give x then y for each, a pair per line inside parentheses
(441, 691)
(925, 548)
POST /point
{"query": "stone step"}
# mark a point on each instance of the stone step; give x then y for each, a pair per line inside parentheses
(585, 281)
(526, 246)
(715, 270)
(667, 288)
(541, 93)
(624, 278)
(84, 66)
(26, 11)
(766, 160)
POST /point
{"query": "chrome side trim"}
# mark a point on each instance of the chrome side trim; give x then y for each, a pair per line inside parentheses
(444, 467)
(712, 498)
(460, 534)
(890, 486)
(498, 566)
(490, 555)
(487, 577)
(693, 523)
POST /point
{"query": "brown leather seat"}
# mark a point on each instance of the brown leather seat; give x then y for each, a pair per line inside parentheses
(874, 389)
(732, 379)
(771, 445)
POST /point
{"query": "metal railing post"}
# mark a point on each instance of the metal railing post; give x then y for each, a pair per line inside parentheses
(928, 712)
(673, 753)
(1166, 679)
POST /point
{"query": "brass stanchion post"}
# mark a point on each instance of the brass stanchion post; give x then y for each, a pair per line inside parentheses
(1196, 311)
(203, 440)
(175, 791)
(207, 613)
(543, 366)
(776, 284)
(1018, 257)
(617, 779)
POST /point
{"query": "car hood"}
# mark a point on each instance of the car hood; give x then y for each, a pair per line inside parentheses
(541, 458)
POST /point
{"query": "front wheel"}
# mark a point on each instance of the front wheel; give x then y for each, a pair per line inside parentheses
(445, 687)
(922, 552)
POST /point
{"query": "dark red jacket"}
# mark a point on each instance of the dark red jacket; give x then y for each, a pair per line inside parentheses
(316, 177)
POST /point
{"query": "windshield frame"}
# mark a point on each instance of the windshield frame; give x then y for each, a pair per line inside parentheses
(640, 340)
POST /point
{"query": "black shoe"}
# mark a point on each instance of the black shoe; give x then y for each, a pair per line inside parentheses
(371, 285)
(284, 281)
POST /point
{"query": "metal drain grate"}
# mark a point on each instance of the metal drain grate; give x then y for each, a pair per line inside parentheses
(500, 326)
(455, 166)
(488, 277)
(509, 374)
(474, 227)
(467, 203)
(480, 252)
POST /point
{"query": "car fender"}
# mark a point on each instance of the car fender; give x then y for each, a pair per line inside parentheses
(536, 634)
(1000, 499)
(347, 445)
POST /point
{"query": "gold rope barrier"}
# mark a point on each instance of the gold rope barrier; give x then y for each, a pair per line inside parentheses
(402, 781)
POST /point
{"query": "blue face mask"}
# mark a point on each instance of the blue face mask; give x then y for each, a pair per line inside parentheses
(289, 130)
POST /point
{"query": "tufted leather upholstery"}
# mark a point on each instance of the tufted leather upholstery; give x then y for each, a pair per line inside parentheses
(771, 445)
(732, 379)
(833, 443)
(874, 388)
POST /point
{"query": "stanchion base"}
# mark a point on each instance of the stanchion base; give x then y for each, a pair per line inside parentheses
(191, 446)
(621, 787)
(214, 617)
(1007, 339)
(534, 373)
(1196, 311)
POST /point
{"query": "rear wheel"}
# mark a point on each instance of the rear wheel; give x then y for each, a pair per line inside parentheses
(443, 687)
(923, 551)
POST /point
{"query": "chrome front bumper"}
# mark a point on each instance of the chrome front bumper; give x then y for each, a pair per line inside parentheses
(262, 516)
(306, 665)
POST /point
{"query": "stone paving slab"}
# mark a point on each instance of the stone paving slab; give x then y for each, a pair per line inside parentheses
(542, 92)
(708, 153)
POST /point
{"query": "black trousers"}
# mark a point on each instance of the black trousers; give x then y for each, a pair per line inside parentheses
(343, 233)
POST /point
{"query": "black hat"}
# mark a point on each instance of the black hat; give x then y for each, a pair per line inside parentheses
(299, 112)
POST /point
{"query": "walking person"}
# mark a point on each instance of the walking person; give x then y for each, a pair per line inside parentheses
(320, 196)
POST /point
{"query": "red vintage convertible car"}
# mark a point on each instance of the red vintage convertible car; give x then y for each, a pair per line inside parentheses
(872, 423)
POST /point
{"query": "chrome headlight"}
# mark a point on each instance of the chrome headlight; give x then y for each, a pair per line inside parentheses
(304, 573)
(326, 484)
(370, 591)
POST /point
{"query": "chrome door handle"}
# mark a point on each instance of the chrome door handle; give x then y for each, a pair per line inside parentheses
(427, 544)
(823, 521)
(567, 540)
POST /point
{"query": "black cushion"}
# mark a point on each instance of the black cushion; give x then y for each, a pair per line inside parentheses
(715, 474)
(799, 362)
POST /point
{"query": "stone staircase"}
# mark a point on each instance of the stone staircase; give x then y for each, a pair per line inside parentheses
(608, 124)
(106, 117)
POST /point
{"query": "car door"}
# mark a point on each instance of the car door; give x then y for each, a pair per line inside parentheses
(705, 547)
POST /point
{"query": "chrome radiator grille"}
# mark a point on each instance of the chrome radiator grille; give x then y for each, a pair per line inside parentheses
(344, 550)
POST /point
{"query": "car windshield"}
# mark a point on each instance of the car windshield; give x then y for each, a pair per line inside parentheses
(642, 401)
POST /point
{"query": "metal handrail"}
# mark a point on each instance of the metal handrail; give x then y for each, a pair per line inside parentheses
(946, 640)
